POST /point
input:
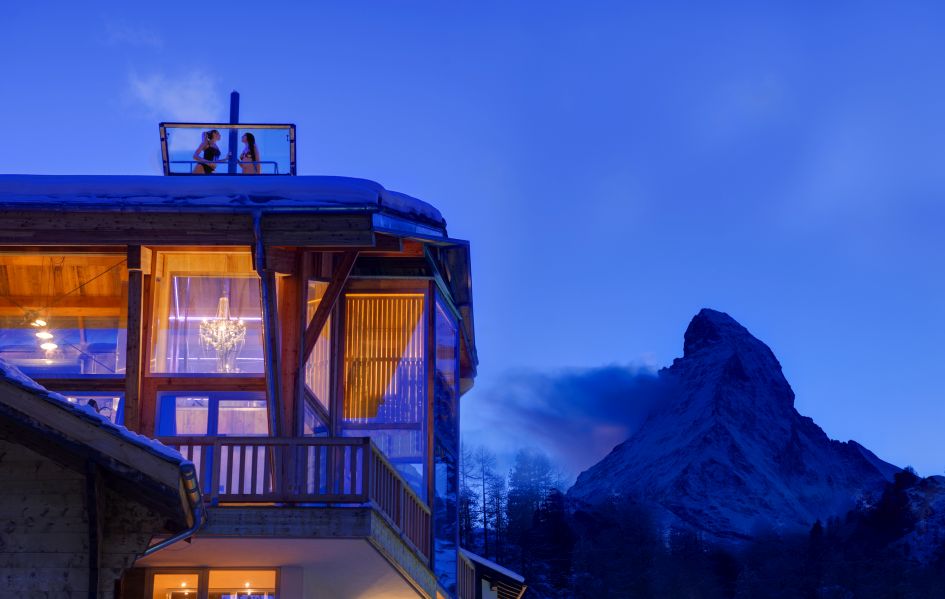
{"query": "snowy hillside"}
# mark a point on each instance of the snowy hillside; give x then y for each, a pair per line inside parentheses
(728, 454)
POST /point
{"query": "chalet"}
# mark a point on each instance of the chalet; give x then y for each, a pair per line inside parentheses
(302, 342)
(82, 498)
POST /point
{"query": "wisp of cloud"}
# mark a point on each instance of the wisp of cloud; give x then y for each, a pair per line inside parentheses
(576, 416)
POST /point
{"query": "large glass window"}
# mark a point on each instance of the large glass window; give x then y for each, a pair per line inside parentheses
(446, 454)
(318, 365)
(64, 315)
(384, 378)
(446, 378)
(207, 314)
(238, 414)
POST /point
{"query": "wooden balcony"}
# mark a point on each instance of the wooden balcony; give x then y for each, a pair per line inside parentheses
(298, 471)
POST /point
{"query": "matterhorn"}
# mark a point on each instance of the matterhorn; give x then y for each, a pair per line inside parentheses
(725, 453)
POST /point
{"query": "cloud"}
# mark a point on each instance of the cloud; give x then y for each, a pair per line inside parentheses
(121, 33)
(576, 416)
(194, 96)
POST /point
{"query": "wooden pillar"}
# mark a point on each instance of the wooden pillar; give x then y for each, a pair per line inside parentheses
(271, 343)
(133, 347)
(292, 293)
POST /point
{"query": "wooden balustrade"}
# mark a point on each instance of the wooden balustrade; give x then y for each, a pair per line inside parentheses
(466, 578)
(346, 470)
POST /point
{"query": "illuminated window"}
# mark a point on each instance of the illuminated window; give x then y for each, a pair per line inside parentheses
(175, 586)
(207, 314)
(109, 405)
(242, 584)
(238, 414)
(64, 315)
(384, 378)
(216, 584)
(318, 366)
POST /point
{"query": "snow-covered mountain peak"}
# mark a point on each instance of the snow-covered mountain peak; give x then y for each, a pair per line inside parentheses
(727, 452)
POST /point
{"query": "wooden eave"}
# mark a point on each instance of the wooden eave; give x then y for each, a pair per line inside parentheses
(64, 436)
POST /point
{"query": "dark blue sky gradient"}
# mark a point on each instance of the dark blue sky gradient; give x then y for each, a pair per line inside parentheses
(616, 165)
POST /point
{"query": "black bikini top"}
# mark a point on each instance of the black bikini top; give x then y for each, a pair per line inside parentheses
(211, 153)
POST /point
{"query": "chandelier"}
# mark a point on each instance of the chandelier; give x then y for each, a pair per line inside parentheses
(223, 335)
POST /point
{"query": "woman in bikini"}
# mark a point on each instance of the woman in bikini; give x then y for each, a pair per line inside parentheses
(207, 153)
(249, 157)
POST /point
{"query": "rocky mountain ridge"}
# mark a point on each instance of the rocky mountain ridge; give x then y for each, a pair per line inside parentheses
(727, 453)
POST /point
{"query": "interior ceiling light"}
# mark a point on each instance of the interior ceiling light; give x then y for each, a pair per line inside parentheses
(44, 335)
(38, 322)
(49, 346)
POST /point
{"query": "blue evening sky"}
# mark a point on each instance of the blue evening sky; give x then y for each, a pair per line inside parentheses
(616, 165)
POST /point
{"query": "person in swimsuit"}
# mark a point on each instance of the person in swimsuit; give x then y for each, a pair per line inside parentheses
(207, 153)
(249, 157)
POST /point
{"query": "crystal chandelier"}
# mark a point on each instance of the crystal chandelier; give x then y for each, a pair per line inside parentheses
(224, 335)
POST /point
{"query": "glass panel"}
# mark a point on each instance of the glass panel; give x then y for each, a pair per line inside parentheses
(64, 315)
(445, 518)
(256, 150)
(446, 379)
(312, 425)
(446, 433)
(318, 366)
(182, 415)
(108, 405)
(242, 584)
(175, 586)
(236, 413)
(207, 314)
(242, 418)
(384, 385)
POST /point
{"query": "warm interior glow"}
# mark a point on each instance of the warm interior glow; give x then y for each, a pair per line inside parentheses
(385, 378)
(383, 355)
(318, 366)
(207, 313)
(174, 586)
(83, 297)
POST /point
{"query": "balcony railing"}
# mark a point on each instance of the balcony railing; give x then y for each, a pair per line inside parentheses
(318, 470)
(466, 583)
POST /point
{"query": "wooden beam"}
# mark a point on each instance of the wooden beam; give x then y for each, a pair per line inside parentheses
(282, 260)
(271, 332)
(301, 230)
(326, 305)
(133, 348)
(152, 228)
(291, 319)
(95, 503)
(90, 384)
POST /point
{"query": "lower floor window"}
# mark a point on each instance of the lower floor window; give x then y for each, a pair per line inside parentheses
(224, 583)
(237, 413)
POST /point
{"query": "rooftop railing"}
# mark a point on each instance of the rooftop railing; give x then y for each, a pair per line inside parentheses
(349, 471)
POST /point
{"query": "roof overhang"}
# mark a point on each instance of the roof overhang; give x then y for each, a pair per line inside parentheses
(135, 466)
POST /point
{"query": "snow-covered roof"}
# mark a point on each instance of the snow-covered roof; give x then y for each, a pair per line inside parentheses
(491, 565)
(11, 374)
(209, 193)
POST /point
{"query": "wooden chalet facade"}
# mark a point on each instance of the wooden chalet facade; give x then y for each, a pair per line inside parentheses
(303, 341)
